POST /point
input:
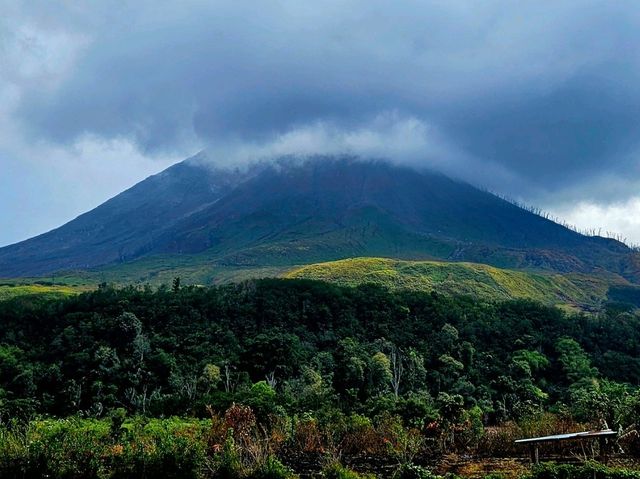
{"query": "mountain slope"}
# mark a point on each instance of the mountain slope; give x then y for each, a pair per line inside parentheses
(295, 211)
(123, 228)
(373, 208)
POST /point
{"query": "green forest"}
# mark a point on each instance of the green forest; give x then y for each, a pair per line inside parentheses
(259, 378)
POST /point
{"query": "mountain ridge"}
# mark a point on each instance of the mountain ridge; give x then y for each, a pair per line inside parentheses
(309, 210)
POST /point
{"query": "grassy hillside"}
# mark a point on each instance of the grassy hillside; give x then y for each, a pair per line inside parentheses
(572, 289)
(8, 290)
(461, 278)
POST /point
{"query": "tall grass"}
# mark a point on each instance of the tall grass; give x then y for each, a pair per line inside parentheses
(233, 445)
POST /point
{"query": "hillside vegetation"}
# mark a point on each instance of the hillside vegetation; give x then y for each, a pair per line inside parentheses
(8, 291)
(574, 290)
(460, 278)
(300, 371)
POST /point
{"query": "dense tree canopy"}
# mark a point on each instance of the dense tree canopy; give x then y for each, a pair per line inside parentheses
(309, 346)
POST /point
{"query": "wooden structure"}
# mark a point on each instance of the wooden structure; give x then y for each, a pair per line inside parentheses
(601, 436)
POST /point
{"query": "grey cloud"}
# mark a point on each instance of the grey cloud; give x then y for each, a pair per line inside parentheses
(578, 129)
(546, 92)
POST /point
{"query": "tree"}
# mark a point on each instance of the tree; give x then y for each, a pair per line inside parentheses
(210, 377)
(380, 372)
(415, 371)
(575, 362)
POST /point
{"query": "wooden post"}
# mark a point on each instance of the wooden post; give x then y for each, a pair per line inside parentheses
(535, 455)
(532, 454)
(604, 449)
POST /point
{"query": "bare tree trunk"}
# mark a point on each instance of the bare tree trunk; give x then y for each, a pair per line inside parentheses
(396, 369)
(229, 386)
(271, 379)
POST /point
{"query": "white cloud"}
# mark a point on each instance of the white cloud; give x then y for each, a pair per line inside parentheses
(621, 218)
(390, 136)
(43, 186)
(387, 135)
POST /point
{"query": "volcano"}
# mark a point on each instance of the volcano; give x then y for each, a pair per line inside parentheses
(307, 210)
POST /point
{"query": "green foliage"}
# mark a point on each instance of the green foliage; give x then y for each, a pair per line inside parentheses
(271, 468)
(227, 464)
(75, 448)
(531, 361)
(574, 361)
(337, 471)
(117, 417)
(191, 448)
(305, 346)
(297, 366)
(588, 470)
(414, 471)
(262, 398)
(380, 372)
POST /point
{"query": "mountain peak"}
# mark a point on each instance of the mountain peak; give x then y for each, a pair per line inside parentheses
(301, 209)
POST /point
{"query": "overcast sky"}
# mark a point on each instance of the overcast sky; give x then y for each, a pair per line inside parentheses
(536, 100)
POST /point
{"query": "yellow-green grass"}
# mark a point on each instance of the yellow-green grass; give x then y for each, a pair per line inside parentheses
(461, 278)
(571, 291)
(8, 291)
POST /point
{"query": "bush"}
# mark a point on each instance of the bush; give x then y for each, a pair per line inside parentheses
(227, 464)
(271, 468)
(86, 448)
(159, 448)
(588, 470)
(336, 470)
(360, 436)
(14, 456)
(308, 436)
(66, 448)
(413, 471)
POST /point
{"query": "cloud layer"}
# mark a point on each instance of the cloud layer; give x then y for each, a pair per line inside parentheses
(535, 100)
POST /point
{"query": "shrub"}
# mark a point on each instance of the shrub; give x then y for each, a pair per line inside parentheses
(308, 436)
(261, 398)
(336, 470)
(360, 436)
(241, 420)
(14, 455)
(159, 448)
(227, 464)
(86, 448)
(271, 468)
(117, 417)
(67, 448)
(588, 470)
(413, 471)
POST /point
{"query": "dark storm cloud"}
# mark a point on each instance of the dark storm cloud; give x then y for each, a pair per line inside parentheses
(580, 128)
(546, 91)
